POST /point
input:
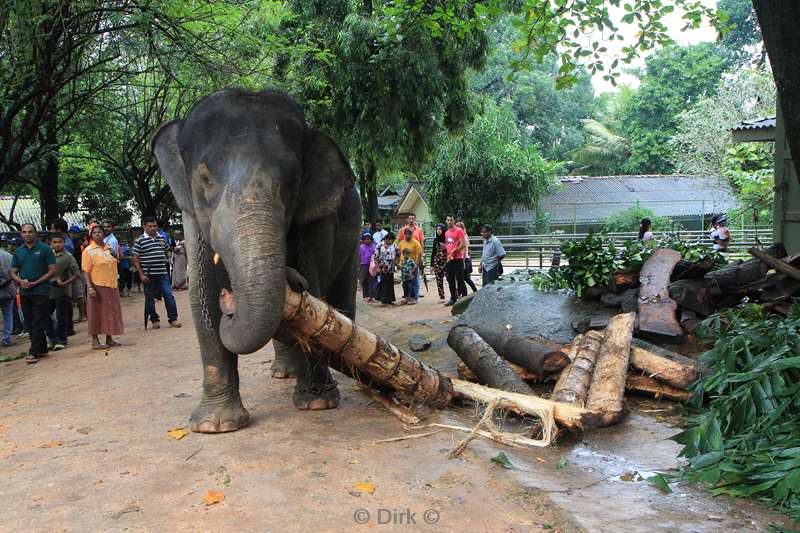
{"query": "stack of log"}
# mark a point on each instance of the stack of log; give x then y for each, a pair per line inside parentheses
(600, 367)
(671, 295)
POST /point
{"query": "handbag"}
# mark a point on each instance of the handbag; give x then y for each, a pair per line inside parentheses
(373, 267)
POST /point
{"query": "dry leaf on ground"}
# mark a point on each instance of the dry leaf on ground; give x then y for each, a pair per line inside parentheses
(178, 433)
(367, 487)
(52, 444)
(213, 496)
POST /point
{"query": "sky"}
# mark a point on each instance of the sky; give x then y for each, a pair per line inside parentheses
(673, 21)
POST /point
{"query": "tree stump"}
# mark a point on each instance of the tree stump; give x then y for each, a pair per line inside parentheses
(657, 311)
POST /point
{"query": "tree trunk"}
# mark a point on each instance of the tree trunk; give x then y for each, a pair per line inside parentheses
(368, 186)
(573, 385)
(657, 312)
(607, 390)
(693, 294)
(779, 20)
(526, 353)
(490, 368)
(48, 188)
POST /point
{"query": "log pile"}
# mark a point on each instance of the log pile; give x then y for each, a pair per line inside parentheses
(671, 295)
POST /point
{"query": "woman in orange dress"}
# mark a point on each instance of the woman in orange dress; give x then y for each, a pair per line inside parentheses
(99, 262)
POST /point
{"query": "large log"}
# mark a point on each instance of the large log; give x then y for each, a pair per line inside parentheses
(490, 368)
(686, 270)
(623, 279)
(607, 390)
(566, 415)
(532, 356)
(643, 384)
(777, 264)
(657, 311)
(316, 323)
(664, 365)
(693, 294)
(739, 274)
(573, 385)
(466, 373)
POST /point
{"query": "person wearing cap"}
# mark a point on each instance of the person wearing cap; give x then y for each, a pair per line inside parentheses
(721, 233)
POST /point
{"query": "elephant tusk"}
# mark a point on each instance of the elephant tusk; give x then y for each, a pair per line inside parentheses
(216, 258)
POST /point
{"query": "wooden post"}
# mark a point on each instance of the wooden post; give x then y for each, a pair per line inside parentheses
(573, 385)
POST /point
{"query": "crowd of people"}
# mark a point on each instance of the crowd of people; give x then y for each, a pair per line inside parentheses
(382, 254)
(45, 281)
(720, 234)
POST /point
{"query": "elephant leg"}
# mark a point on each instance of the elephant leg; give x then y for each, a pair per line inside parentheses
(221, 407)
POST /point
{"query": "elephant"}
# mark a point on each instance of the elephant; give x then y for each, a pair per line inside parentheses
(265, 199)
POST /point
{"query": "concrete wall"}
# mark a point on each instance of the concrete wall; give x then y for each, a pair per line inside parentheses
(787, 192)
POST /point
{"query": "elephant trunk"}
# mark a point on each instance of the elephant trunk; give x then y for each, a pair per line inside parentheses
(255, 261)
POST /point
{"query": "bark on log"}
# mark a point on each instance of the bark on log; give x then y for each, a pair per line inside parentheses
(686, 270)
(491, 369)
(573, 385)
(607, 390)
(567, 416)
(313, 321)
(742, 273)
(643, 384)
(693, 294)
(466, 373)
(526, 353)
(673, 369)
(657, 312)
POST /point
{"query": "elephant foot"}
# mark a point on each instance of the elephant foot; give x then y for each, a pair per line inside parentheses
(316, 397)
(282, 368)
(219, 418)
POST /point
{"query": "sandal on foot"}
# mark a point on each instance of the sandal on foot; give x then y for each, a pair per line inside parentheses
(113, 343)
(100, 347)
(31, 359)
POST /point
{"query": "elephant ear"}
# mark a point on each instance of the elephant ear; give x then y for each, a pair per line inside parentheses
(164, 145)
(326, 176)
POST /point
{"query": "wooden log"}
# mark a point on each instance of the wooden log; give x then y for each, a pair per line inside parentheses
(693, 294)
(466, 373)
(607, 390)
(686, 270)
(492, 370)
(623, 279)
(740, 274)
(777, 264)
(573, 385)
(566, 415)
(588, 324)
(780, 287)
(316, 323)
(638, 383)
(526, 353)
(657, 311)
(668, 367)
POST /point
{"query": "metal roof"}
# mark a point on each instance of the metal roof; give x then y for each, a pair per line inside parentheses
(28, 210)
(595, 198)
(758, 124)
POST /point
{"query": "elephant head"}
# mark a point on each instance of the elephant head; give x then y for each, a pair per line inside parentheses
(245, 167)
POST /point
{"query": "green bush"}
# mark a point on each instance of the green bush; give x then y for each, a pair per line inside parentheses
(629, 220)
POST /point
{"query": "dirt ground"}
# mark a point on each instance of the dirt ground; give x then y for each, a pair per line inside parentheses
(84, 447)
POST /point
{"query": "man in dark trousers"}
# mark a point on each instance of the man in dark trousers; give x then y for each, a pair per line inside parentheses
(150, 259)
(32, 267)
(455, 242)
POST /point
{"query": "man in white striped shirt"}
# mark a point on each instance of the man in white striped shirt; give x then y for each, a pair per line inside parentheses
(150, 260)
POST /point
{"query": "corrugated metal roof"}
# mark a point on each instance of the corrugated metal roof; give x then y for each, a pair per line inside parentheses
(28, 210)
(758, 124)
(595, 198)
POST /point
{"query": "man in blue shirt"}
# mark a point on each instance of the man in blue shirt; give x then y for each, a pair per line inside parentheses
(110, 239)
(32, 267)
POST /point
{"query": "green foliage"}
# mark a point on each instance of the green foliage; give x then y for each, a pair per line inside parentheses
(743, 37)
(603, 152)
(745, 441)
(592, 260)
(750, 168)
(488, 171)
(630, 219)
(675, 78)
(549, 117)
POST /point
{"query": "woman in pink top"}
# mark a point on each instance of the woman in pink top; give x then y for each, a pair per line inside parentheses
(467, 259)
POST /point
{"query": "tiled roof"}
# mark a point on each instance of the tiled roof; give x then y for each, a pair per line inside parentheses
(28, 210)
(595, 198)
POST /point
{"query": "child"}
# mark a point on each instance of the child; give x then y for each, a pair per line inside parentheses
(61, 293)
(408, 269)
(366, 251)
